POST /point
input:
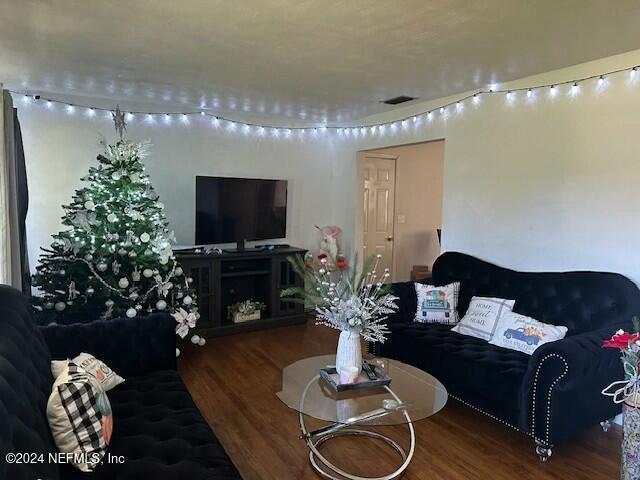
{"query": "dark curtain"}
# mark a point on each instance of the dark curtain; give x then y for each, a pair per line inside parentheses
(22, 193)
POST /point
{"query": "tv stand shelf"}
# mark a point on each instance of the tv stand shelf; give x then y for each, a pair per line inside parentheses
(249, 273)
(220, 280)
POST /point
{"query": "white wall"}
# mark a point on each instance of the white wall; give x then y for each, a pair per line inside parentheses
(60, 147)
(550, 184)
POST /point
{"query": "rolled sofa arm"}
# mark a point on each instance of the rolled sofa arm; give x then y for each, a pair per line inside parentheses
(131, 346)
(564, 382)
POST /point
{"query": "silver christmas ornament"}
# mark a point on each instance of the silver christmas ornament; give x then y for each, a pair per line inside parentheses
(122, 252)
(145, 237)
(136, 275)
(195, 339)
(48, 305)
(89, 205)
(133, 296)
(187, 300)
(102, 267)
(131, 312)
(138, 307)
(202, 342)
(111, 218)
(177, 352)
(178, 271)
(108, 303)
(147, 272)
(90, 291)
(62, 272)
(60, 306)
(161, 304)
(88, 257)
(123, 282)
(132, 254)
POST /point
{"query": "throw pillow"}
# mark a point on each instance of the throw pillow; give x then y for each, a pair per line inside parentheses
(481, 319)
(80, 417)
(525, 334)
(94, 367)
(437, 304)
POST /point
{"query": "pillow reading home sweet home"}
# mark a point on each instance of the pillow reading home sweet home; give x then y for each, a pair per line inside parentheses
(481, 319)
(437, 304)
(94, 367)
(525, 334)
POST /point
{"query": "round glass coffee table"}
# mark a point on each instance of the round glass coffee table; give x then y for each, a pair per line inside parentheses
(412, 395)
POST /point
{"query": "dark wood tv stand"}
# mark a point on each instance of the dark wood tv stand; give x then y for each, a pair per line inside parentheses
(221, 280)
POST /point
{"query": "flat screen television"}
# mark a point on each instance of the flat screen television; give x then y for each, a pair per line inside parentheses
(240, 209)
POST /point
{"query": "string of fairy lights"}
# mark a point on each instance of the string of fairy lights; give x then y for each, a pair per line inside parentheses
(168, 117)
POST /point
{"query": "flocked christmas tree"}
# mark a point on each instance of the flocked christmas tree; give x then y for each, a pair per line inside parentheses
(115, 257)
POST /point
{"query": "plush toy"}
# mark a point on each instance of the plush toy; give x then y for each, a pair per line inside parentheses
(330, 241)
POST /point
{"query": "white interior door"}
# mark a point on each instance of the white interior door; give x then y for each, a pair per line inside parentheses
(379, 182)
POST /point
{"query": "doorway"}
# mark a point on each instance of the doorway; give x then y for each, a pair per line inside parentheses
(399, 209)
(378, 197)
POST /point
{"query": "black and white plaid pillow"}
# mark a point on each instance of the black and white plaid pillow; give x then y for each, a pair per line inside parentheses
(89, 414)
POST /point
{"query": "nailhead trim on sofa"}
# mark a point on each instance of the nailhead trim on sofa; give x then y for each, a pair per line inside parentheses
(485, 413)
(535, 390)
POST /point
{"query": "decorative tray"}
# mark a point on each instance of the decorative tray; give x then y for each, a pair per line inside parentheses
(371, 376)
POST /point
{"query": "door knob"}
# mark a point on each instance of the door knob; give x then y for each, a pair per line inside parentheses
(389, 239)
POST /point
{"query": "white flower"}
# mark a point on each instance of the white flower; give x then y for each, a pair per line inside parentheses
(185, 320)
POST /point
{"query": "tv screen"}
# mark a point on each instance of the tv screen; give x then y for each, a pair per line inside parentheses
(236, 209)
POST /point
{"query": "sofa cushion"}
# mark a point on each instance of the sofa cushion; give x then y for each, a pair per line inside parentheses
(161, 434)
(486, 376)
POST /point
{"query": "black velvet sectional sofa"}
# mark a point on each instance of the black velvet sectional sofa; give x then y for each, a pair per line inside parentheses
(554, 393)
(157, 427)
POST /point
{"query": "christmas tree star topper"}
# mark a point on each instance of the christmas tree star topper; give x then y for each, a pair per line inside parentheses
(118, 122)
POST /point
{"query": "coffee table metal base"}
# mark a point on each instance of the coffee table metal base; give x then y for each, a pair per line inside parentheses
(330, 471)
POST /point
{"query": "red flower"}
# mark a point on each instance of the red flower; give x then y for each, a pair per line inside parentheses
(621, 340)
(341, 264)
(322, 256)
(308, 266)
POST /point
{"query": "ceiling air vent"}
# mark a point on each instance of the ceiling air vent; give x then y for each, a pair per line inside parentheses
(397, 100)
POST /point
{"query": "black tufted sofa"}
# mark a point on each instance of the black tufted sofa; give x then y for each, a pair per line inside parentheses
(551, 395)
(157, 427)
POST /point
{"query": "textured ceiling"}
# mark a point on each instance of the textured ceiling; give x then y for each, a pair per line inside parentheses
(294, 60)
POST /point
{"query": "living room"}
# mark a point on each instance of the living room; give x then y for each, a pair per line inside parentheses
(180, 180)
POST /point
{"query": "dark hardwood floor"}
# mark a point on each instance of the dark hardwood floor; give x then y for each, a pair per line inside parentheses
(234, 379)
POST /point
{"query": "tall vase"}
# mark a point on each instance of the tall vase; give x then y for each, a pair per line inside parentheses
(349, 352)
(630, 468)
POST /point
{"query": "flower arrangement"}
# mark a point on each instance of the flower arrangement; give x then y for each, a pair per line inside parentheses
(627, 390)
(343, 298)
(248, 307)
